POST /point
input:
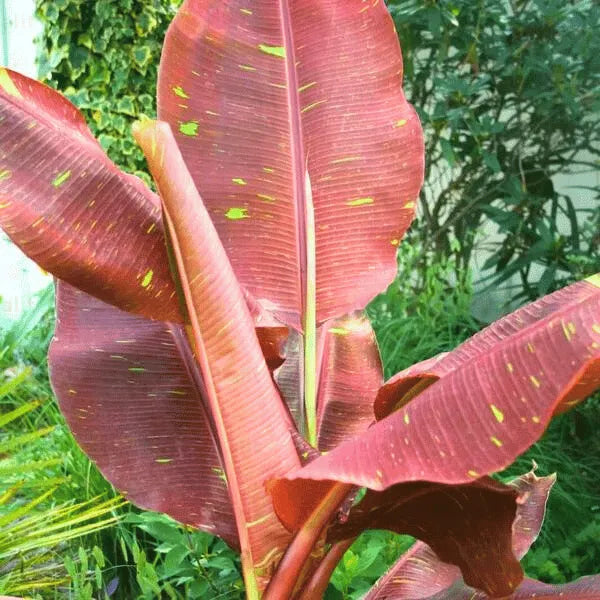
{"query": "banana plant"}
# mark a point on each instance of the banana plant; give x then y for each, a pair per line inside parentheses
(211, 354)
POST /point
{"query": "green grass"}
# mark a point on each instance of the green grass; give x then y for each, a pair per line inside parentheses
(131, 553)
(143, 555)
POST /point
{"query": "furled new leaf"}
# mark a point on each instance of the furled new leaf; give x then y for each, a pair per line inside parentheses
(69, 208)
(250, 421)
(468, 525)
(134, 399)
(420, 573)
(258, 93)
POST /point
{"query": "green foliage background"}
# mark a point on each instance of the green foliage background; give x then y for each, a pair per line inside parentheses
(104, 55)
(508, 92)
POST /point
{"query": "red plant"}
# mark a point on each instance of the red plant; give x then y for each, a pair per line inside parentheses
(207, 376)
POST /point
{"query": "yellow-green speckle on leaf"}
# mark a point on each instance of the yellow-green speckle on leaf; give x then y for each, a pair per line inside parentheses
(239, 181)
(498, 414)
(272, 50)
(147, 278)
(61, 178)
(400, 123)
(163, 461)
(8, 85)
(339, 331)
(594, 280)
(179, 91)
(5, 174)
(235, 214)
(189, 128)
(307, 86)
(360, 201)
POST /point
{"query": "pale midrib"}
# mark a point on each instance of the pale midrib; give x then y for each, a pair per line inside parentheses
(296, 147)
(305, 233)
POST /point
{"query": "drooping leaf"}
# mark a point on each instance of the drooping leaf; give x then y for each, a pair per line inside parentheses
(134, 399)
(585, 588)
(350, 375)
(251, 423)
(69, 208)
(407, 384)
(420, 573)
(259, 93)
(491, 408)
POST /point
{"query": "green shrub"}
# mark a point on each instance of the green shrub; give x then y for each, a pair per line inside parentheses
(509, 98)
(104, 56)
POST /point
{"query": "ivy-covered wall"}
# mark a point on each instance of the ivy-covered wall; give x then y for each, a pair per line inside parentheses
(104, 55)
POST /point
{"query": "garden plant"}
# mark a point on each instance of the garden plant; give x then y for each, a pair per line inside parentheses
(210, 351)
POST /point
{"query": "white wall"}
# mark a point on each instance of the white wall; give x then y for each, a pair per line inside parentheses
(20, 278)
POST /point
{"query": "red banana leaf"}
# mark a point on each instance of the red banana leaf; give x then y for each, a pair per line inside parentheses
(585, 588)
(468, 525)
(134, 400)
(349, 376)
(257, 93)
(478, 418)
(69, 208)
(404, 386)
(251, 424)
(420, 573)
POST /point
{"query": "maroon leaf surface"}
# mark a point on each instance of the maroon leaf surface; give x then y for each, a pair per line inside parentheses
(469, 526)
(420, 564)
(250, 421)
(404, 386)
(133, 397)
(420, 573)
(350, 375)
(490, 409)
(258, 93)
(585, 588)
(273, 344)
(69, 208)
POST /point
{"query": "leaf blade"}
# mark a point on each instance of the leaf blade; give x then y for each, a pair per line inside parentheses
(239, 389)
(337, 110)
(483, 414)
(69, 208)
(137, 413)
